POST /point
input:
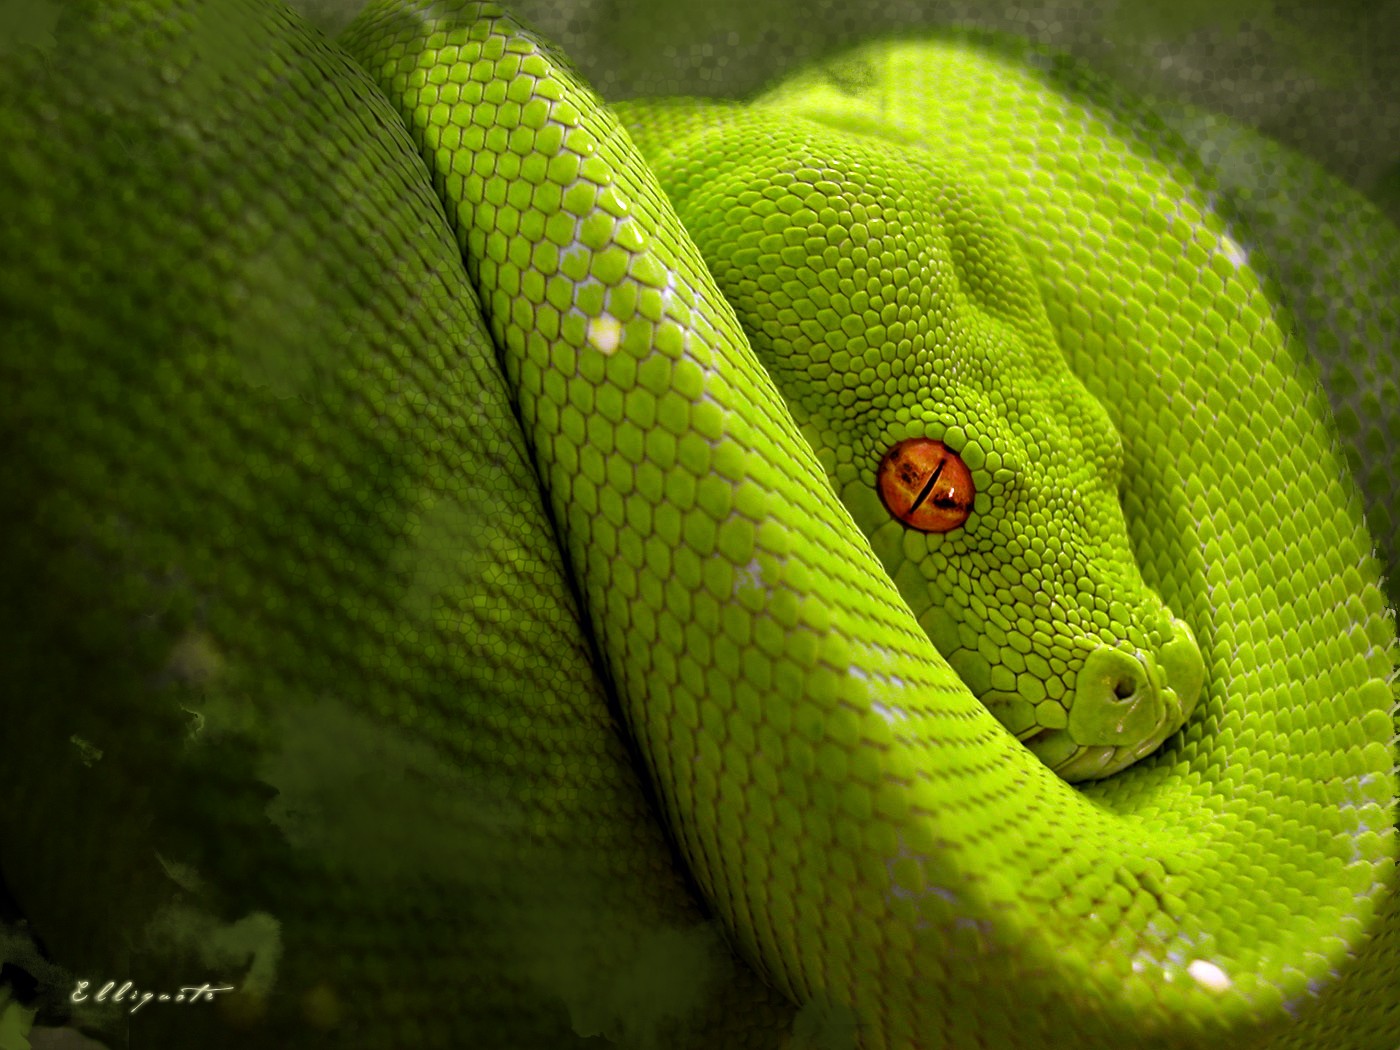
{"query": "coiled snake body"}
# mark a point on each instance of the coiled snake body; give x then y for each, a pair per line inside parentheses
(464, 590)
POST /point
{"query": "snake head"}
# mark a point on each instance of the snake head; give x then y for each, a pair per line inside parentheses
(904, 326)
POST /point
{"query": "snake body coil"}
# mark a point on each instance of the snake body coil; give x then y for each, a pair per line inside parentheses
(276, 522)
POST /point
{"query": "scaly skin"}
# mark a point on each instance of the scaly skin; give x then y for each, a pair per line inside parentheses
(277, 538)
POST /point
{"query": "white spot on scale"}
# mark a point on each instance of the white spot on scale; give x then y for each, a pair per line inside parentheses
(1234, 252)
(879, 684)
(751, 575)
(890, 715)
(1209, 976)
(604, 333)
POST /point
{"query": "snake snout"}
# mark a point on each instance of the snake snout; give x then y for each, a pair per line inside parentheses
(1125, 704)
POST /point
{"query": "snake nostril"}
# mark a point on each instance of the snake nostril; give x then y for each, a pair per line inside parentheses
(1125, 689)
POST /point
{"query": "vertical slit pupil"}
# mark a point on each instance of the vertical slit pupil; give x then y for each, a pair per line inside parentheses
(928, 487)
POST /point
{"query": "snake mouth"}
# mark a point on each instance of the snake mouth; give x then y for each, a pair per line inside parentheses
(1075, 762)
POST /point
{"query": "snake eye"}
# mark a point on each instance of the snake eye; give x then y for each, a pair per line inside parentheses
(926, 485)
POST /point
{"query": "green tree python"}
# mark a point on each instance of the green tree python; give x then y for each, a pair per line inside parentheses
(484, 568)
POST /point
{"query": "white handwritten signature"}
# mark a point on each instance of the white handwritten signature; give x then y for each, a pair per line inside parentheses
(202, 993)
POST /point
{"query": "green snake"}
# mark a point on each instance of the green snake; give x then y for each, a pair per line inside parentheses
(485, 568)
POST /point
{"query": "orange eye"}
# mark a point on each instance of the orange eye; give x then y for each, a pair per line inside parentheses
(926, 485)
